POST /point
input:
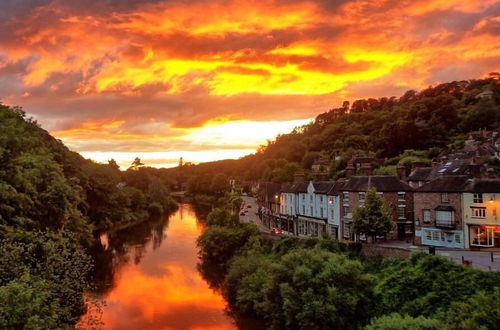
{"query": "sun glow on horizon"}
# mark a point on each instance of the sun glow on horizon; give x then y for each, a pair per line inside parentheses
(215, 140)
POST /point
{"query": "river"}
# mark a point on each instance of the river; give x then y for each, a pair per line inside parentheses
(147, 278)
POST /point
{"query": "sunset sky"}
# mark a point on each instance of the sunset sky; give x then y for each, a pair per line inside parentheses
(206, 80)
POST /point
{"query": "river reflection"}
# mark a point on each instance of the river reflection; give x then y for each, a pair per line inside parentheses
(148, 279)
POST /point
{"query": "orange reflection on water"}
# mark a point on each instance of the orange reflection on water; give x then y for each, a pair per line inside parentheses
(165, 290)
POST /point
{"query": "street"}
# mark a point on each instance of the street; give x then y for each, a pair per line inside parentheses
(251, 215)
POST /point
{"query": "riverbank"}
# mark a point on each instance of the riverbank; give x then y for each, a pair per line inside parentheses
(320, 283)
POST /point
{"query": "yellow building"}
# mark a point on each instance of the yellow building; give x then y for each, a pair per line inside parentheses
(480, 210)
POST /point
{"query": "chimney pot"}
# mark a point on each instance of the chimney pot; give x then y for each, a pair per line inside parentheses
(401, 171)
(366, 168)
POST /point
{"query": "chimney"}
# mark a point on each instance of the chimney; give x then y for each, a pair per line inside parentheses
(416, 165)
(474, 170)
(299, 177)
(366, 169)
(320, 176)
(349, 170)
(401, 172)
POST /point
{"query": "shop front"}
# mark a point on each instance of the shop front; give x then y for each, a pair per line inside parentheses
(484, 236)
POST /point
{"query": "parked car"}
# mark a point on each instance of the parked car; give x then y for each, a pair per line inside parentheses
(276, 231)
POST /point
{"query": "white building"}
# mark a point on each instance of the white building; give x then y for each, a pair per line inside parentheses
(314, 207)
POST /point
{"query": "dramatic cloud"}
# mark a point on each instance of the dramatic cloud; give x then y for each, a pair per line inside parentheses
(134, 76)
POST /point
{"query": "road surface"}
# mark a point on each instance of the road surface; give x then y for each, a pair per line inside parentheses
(251, 215)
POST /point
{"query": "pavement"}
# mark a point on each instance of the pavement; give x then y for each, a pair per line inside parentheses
(485, 260)
(251, 215)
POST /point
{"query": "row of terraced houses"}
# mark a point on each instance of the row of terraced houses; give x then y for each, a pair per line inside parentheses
(453, 204)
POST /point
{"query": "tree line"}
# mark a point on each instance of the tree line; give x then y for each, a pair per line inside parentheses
(52, 204)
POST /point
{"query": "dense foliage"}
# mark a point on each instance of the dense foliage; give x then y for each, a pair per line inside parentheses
(326, 284)
(415, 126)
(52, 201)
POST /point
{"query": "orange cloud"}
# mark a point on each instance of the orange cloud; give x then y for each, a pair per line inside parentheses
(174, 64)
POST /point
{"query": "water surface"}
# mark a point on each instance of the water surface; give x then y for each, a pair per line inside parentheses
(148, 279)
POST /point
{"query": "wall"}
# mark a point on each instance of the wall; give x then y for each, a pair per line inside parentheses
(372, 250)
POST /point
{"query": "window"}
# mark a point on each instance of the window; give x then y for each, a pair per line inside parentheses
(311, 211)
(362, 196)
(435, 236)
(303, 209)
(347, 232)
(321, 212)
(444, 218)
(321, 199)
(311, 198)
(445, 198)
(346, 197)
(478, 198)
(428, 235)
(303, 197)
(426, 216)
(346, 210)
(482, 236)
(478, 212)
(332, 213)
(458, 238)
(401, 196)
(401, 212)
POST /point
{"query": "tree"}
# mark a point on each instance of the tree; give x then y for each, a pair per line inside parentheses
(480, 311)
(136, 164)
(425, 284)
(373, 219)
(114, 165)
(303, 289)
(220, 185)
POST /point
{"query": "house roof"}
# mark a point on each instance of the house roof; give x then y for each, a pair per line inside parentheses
(453, 183)
(301, 187)
(383, 183)
(337, 187)
(483, 186)
(323, 187)
(321, 161)
(270, 190)
(287, 188)
(452, 167)
(420, 174)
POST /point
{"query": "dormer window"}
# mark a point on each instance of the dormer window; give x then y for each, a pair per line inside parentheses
(401, 196)
(445, 198)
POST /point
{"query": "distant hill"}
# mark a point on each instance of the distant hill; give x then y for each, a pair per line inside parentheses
(417, 124)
